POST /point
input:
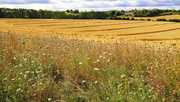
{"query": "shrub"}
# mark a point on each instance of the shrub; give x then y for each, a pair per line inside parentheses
(132, 19)
(142, 20)
(161, 19)
(148, 19)
(174, 20)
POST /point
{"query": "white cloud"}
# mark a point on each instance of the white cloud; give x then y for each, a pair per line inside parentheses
(90, 4)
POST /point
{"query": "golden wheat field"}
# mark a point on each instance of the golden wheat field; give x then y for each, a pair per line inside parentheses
(167, 17)
(101, 30)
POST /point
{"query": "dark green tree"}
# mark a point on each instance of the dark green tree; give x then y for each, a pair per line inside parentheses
(76, 11)
(41, 13)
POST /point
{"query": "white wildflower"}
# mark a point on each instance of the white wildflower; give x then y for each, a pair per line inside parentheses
(13, 79)
(83, 81)
(96, 68)
(14, 58)
(25, 76)
(80, 63)
(40, 84)
(95, 82)
(18, 89)
(20, 65)
(49, 99)
(5, 78)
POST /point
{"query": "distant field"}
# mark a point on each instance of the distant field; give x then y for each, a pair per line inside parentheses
(103, 30)
(167, 17)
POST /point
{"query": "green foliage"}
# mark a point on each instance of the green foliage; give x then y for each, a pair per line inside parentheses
(148, 19)
(161, 19)
(174, 20)
(68, 11)
(132, 19)
(93, 15)
(47, 14)
(154, 12)
(76, 11)
(142, 20)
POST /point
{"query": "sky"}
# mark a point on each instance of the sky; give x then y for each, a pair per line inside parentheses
(97, 5)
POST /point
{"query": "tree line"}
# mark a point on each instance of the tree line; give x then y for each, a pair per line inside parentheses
(48, 14)
(155, 12)
(76, 14)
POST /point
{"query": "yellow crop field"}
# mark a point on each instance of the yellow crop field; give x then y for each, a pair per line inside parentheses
(101, 30)
(167, 17)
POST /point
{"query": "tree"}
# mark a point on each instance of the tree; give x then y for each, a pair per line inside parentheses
(48, 14)
(71, 11)
(41, 13)
(67, 10)
(1, 13)
(76, 11)
(112, 13)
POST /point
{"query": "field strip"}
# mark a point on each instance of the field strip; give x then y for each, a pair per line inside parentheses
(122, 28)
(158, 39)
(99, 25)
(148, 32)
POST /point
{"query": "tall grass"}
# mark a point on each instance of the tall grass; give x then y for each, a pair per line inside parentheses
(51, 68)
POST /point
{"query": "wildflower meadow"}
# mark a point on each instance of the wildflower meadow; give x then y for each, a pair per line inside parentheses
(56, 69)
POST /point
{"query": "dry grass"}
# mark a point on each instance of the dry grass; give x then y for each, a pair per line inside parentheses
(52, 68)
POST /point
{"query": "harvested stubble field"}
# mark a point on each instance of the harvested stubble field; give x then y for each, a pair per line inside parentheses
(41, 64)
(102, 30)
(167, 17)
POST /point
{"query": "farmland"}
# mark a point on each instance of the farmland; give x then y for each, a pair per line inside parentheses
(167, 17)
(89, 60)
(101, 30)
